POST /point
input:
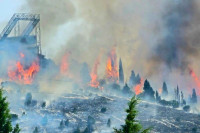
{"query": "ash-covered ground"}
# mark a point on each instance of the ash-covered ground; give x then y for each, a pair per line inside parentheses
(74, 108)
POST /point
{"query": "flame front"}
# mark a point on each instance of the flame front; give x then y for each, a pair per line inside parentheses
(196, 79)
(138, 87)
(94, 78)
(64, 67)
(112, 72)
(21, 75)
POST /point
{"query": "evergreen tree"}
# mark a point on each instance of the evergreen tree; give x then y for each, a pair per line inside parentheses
(5, 117)
(194, 96)
(121, 72)
(131, 125)
(36, 130)
(183, 102)
(132, 78)
(148, 91)
(137, 79)
(109, 122)
(16, 129)
(164, 90)
(126, 89)
(178, 95)
(90, 123)
(157, 97)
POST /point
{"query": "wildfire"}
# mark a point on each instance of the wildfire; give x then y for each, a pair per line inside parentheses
(64, 67)
(21, 55)
(94, 82)
(22, 75)
(112, 72)
(160, 90)
(138, 87)
(196, 79)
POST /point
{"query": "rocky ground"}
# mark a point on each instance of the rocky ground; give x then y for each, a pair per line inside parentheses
(75, 109)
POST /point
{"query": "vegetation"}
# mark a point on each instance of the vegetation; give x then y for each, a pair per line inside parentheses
(164, 90)
(148, 91)
(194, 96)
(5, 116)
(131, 124)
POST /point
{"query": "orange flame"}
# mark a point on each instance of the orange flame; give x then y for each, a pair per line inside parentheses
(64, 67)
(21, 55)
(93, 74)
(112, 72)
(160, 90)
(196, 79)
(24, 76)
(138, 87)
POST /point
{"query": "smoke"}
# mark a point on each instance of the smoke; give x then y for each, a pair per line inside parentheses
(53, 14)
(158, 39)
(178, 44)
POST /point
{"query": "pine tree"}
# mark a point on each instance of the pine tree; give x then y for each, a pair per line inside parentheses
(164, 90)
(157, 97)
(36, 130)
(131, 125)
(194, 96)
(148, 91)
(5, 117)
(132, 78)
(121, 72)
(16, 129)
(137, 79)
(109, 122)
(126, 89)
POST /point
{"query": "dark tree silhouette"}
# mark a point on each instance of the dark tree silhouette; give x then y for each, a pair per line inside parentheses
(194, 96)
(157, 97)
(132, 78)
(5, 117)
(148, 91)
(121, 72)
(164, 90)
(126, 89)
(131, 125)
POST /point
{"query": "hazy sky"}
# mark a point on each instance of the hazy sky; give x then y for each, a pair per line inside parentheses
(8, 7)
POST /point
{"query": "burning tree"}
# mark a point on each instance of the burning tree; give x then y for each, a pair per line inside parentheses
(23, 73)
(5, 117)
(131, 125)
(112, 73)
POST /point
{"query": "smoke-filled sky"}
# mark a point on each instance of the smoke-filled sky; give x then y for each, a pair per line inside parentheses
(158, 39)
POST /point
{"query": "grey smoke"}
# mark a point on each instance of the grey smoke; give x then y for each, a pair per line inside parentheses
(174, 49)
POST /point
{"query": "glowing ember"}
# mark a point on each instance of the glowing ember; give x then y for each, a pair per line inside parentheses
(112, 67)
(21, 55)
(138, 87)
(64, 64)
(94, 82)
(160, 90)
(24, 76)
(196, 79)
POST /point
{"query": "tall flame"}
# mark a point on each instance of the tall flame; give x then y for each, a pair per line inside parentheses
(196, 79)
(64, 67)
(112, 72)
(25, 76)
(94, 82)
(138, 87)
